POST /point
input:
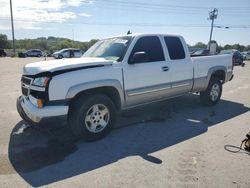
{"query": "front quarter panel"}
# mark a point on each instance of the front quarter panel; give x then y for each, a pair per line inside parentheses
(66, 85)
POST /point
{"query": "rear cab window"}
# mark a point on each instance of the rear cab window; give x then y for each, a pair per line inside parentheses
(175, 48)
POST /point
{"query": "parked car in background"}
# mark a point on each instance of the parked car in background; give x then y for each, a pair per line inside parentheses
(193, 50)
(236, 55)
(203, 52)
(2, 53)
(31, 53)
(246, 55)
(47, 54)
(68, 53)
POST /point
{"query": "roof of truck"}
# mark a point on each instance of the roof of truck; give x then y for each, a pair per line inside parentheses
(143, 34)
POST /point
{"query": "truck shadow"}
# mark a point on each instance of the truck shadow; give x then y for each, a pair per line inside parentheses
(47, 154)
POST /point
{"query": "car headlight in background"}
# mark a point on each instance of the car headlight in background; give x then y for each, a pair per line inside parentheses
(41, 81)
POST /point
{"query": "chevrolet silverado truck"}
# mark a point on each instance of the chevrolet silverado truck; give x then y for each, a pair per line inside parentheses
(115, 74)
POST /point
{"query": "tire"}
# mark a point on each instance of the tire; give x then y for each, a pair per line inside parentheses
(212, 94)
(60, 57)
(92, 117)
(38, 55)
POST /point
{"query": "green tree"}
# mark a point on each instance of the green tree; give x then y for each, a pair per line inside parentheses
(200, 45)
(247, 48)
(4, 43)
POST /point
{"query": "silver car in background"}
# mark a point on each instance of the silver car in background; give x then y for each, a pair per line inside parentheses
(246, 55)
(68, 53)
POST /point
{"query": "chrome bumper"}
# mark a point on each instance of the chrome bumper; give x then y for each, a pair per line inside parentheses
(32, 114)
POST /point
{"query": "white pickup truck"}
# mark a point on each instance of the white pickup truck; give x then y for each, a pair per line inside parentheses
(115, 74)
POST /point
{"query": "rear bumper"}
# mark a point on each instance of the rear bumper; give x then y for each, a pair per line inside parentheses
(33, 115)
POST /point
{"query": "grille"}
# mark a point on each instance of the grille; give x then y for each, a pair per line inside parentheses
(25, 81)
(25, 91)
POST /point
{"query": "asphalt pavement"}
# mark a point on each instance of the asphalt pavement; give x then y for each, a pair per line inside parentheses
(175, 143)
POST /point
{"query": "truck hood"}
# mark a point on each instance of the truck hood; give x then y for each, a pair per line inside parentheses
(63, 64)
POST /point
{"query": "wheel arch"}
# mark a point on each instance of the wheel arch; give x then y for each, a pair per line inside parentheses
(218, 72)
(110, 88)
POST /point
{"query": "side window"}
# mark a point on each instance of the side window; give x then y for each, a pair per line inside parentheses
(175, 48)
(151, 45)
(66, 53)
(77, 53)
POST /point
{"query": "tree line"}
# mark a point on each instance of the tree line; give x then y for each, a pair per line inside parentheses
(45, 44)
(55, 43)
(239, 47)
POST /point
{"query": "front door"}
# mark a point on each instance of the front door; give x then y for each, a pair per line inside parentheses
(147, 79)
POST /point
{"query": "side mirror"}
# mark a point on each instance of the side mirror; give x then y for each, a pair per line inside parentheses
(139, 57)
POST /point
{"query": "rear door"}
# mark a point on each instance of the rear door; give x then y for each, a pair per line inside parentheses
(148, 80)
(181, 66)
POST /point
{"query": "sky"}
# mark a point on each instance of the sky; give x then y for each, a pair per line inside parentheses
(83, 20)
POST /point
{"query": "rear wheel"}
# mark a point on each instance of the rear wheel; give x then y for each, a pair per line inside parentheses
(92, 117)
(212, 94)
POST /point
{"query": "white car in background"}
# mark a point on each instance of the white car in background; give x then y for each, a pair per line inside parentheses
(68, 53)
(246, 55)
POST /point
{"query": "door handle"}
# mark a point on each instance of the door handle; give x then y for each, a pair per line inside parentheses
(165, 68)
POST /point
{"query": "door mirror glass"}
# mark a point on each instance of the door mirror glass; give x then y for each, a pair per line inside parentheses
(139, 57)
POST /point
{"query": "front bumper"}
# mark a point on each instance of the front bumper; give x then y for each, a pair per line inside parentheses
(33, 114)
(55, 56)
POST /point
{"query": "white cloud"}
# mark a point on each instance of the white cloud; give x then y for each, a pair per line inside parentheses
(85, 14)
(75, 3)
(29, 14)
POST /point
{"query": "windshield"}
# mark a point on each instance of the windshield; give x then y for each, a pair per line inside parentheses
(110, 49)
(61, 51)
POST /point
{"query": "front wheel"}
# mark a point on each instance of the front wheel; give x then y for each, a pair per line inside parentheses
(92, 117)
(212, 94)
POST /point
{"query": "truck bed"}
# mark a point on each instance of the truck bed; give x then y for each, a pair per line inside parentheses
(203, 64)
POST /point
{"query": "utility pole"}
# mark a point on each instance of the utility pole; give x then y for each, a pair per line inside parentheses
(212, 15)
(12, 26)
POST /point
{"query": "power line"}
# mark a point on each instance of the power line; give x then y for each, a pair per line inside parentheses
(129, 24)
(166, 9)
(167, 5)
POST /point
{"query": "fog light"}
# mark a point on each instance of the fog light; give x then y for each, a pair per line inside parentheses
(39, 103)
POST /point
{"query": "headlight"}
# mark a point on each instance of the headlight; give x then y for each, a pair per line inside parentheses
(41, 81)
